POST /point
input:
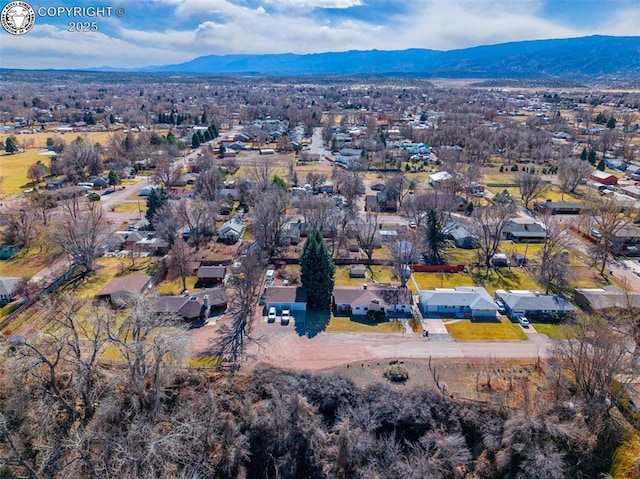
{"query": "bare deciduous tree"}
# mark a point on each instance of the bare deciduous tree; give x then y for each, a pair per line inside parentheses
(553, 263)
(608, 217)
(487, 226)
(20, 225)
(179, 261)
(319, 213)
(81, 232)
(167, 173)
(199, 216)
(571, 173)
(531, 186)
(269, 218)
(209, 184)
(366, 232)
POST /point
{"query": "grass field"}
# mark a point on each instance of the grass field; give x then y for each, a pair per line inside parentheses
(442, 280)
(106, 270)
(131, 207)
(498, 330)
(14, 168)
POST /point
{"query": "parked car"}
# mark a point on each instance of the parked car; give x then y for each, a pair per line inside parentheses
(596, 234)
(286, 316)
(412, 224)
(271, 315)
(524, 322)
(262, 299)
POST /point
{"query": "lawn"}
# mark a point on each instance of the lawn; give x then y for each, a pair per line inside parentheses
(175, 286)
(553, 330)
(504, 278)
(498, 330)
(442, 280)
(25, 264)
(14, 170)
(106, 270)
(461, 256)
(342, 277)
(356, 324)
(130, 207)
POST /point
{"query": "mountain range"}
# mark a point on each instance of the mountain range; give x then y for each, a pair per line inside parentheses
(572, 58)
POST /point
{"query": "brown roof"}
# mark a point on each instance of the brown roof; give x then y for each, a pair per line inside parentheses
(215, 272)
(189, 307)
(286, 294)
(133, 283)
(357, 296)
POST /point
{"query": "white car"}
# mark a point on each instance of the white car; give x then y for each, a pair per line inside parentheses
(286, 316)
(412, 224)
(271, 315)
(524, 322)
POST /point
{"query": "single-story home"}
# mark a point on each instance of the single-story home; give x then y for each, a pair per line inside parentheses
(357, 271)
(378, 185)
(119, 290)
(461, 302)
(358, 301)
(524, 230)
(291, 297)
(439, 177)
(603, 178)
(532, 303)
(231, 230)
(461, 236)
(211, 275)
(559, 208)
(8, 285)
(193, 307)
(632, 191)
(154, 245)
(608, 298)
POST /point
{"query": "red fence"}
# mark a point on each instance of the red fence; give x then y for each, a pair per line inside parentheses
(437, 268)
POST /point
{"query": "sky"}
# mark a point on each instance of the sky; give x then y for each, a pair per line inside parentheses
(139, 33)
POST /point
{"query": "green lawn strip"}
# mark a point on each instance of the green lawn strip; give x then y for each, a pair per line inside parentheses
(14, 170)
(553, 330)
(497, 330)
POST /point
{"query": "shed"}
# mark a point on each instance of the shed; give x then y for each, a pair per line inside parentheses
(357, 271)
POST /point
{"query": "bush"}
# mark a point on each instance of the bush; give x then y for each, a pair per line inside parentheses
(376, 316)
(396, 374)
(514, 168)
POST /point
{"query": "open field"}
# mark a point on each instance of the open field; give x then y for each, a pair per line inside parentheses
(130, 207)
(14, 168)
(480, 330)
(40, 138)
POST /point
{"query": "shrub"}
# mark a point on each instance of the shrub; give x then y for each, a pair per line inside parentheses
(396, 374)
(514, 168)
(375, 316)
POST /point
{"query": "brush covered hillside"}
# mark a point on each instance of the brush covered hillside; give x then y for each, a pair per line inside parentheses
(575, 58)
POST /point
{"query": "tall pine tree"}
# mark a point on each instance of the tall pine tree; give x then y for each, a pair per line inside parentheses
(317, 272)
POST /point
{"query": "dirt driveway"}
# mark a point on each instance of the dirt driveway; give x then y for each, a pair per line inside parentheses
(288, 347)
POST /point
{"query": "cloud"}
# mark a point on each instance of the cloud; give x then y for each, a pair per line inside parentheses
(173, 31)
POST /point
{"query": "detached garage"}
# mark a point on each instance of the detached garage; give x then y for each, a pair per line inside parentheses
(293, 298)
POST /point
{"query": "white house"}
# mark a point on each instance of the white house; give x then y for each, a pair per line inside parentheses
(231, 230)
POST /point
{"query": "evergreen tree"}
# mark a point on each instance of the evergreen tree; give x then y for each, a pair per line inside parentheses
(11, 145)
(592, 156)
(435, 238)
(112, 119)
(583, 154)
(214, 131)
(611, 123)
(280, 183)
(317, 272)
(203, 119)
(207, 136)
(171, 138)
(195, 141)
(222, 150)
(114, 179)
(156, 199)
(600, 166)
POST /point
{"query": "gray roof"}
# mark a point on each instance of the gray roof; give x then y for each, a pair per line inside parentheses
(8, 285)
(286, 294)
(606, 298)
(359, 296)
(533, 301)
(473, 297)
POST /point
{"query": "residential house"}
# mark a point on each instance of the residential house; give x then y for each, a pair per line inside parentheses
(357, 271)
(460, 234)
(559, 208)
(359, 301)
(153, 245)
(291, 297)
(607, 299)
(436, 179)
(461, 302)
(232, 230)
(121, 289)
(55, 184)
(626, 241)
(534, 304)
(191, 307)
(632, 191)
(211, 275)
(603, 178)
(524, 230)
(8, 286)
(615, 164)
(633, 171)
(378, 185)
